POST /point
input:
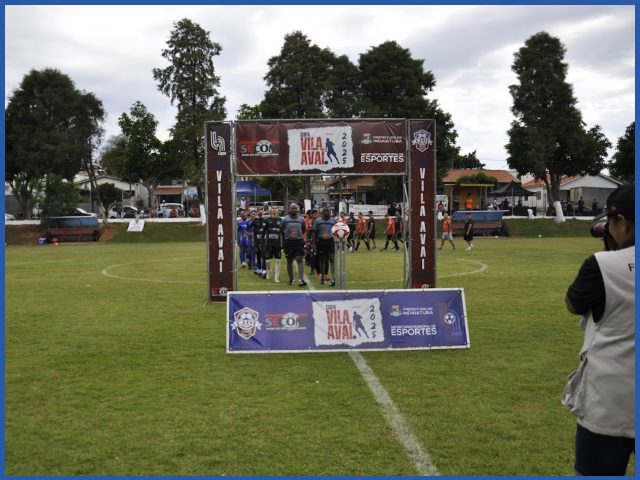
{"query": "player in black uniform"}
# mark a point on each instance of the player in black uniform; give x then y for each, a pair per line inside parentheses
(272, 244)
(371, 229)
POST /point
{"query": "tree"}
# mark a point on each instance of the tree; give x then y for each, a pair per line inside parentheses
(58, 195)
(248, 112)
(50, 127)
(548, 137)
(296, 79)
(109, 194)
(477, 178)
(146, 158)
(112, 156)
(341, 90)
(623, 164)
(394, 85)
(468, 161)
(191, 82)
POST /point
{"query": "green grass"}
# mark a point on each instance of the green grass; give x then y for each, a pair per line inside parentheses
(124, 371)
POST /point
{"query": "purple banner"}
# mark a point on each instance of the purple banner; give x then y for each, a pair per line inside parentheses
(356, 320)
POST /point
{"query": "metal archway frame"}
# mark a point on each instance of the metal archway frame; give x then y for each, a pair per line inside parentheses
(315, 147)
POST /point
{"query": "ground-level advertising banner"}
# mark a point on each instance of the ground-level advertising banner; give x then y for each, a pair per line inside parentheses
(273, 322)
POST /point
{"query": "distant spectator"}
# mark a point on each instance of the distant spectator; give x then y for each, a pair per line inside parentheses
(594, 206)
(580, 206)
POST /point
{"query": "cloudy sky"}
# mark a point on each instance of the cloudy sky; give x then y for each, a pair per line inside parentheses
(111, 51)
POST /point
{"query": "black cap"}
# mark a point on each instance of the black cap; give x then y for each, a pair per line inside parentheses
(622, 201)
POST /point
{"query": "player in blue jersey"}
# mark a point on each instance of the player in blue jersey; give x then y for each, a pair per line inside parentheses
(243, 224)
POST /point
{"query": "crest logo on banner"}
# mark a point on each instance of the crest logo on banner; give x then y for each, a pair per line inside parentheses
(322, 148)
(348, 322)
(366, 138)
(396, 310)
(246, 323)
(217, 143)
(422, 140)
(447, 317)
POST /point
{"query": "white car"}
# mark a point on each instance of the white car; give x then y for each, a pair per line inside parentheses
(78, 212)
(8, 217)
(174, 210)
(127, 212)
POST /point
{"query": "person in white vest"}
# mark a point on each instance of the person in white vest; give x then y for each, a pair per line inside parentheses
(601, 393)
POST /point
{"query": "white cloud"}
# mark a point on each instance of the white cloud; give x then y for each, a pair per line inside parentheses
(111, 51)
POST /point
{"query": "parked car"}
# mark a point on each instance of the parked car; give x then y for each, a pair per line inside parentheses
(77, 212)
(174, 210)
(8, 217)
(128, 211)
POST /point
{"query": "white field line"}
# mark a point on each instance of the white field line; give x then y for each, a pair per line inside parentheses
(421, 459)
(105, 272)
(419, 456)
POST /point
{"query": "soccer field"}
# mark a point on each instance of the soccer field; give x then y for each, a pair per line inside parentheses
(114, 365)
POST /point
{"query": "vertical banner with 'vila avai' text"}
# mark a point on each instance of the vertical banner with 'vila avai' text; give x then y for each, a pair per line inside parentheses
(220, 206)
(422, 229)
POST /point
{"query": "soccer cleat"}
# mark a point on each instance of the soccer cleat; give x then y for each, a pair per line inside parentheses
(264, 276)
(322, 282)
(333, 283)
(468, 248)
(290, 282)
(244, 266)
(374, 248)
(312, 272)
(318, 276)
(277, 280)
(326, 277)
(454, 250)
(302, 283)
(396, 249)
(472, 245)
(256, 272)
(383, 250)
(439, 249)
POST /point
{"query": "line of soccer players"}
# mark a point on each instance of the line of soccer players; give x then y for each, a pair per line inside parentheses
(261, 239)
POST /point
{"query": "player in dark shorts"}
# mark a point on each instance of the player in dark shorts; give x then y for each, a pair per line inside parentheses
(371, 229)
(362, 232)
(390, 231)
(272, 243)
(351, 241)
(399, 224)
(468, 231)
(325, 246)
(293, 230)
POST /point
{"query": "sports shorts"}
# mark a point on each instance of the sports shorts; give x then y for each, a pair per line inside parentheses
(325, 247)
(447, 236)
(293, 248)
(372, 235)
(469, 237)
(602, 454)
(271, 251)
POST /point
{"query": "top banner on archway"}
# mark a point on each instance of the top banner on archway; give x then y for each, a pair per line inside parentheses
(313, 147)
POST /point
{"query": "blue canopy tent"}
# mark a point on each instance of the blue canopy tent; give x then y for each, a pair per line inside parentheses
(251, 189)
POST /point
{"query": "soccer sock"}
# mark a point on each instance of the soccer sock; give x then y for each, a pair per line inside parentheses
(290, 270)
(268, 265)
(300, 270)
(386, 245)
(357, 245)
(242, 257)
(396, 244)
(277, 268)
(333, 270)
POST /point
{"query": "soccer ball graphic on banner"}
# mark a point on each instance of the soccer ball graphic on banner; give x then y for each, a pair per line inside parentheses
(340, 230)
